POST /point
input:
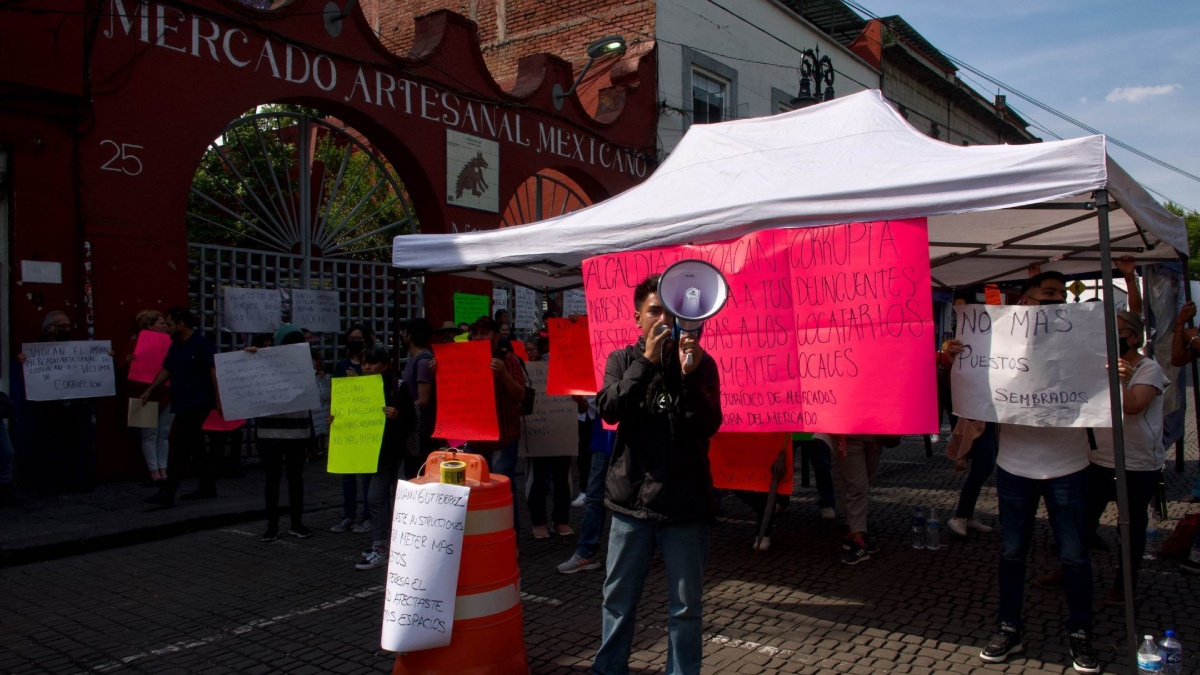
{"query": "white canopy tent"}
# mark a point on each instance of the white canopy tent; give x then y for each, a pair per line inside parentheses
(992, 209)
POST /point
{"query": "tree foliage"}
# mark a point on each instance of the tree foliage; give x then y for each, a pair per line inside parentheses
(247, 190)
(1192, 220)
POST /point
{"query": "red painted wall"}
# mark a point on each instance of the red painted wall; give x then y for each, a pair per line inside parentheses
(108, 116)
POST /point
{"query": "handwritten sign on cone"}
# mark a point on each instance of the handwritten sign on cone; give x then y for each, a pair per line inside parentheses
(148, 355)
(358, 420)
(466, 396)
(819, 320)
(744, 461)
(571, 369)
(428, 524)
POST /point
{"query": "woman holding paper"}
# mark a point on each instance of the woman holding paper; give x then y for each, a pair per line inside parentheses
(155, 439)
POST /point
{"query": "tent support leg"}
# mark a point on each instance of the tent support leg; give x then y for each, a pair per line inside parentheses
(1114, 396)
(1187, 294)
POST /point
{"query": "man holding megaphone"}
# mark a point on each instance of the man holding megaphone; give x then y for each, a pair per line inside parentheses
(664, 392)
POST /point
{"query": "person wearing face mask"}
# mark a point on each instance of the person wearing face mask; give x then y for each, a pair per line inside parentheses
(1035, 464)
(64, 452)
(1142, 385)
(358, 338)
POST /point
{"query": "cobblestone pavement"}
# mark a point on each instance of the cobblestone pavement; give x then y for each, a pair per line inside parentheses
(221, 601)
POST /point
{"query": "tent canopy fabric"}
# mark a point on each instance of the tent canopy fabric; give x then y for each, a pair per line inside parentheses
(992, 209)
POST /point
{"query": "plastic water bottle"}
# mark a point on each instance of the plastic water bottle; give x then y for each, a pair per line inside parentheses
(1151, 537)
(918, 528)
(931, 531)
(1172, 654)
(1149, 660)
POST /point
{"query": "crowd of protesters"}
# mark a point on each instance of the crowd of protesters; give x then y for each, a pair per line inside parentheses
(1071, 470)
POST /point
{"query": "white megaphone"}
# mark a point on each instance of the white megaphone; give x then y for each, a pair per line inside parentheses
(693, 291)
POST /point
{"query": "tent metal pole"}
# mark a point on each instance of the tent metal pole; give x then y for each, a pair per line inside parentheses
(1187, 294)
(1114, 397)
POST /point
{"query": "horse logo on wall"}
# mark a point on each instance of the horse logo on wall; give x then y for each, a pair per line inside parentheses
(472, 172)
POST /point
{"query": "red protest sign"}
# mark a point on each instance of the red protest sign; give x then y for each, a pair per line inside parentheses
(571, 369)
(217, 422)
(148, 355)
(743, 461)
(466, 396)
(519, 350)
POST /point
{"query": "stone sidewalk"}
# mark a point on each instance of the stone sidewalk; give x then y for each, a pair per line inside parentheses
(793, 609)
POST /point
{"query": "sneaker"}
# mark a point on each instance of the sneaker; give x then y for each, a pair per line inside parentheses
(579, 501)
(979, 527)
(827, 513)
(363, 527)
(1007, 640)
(1049, 580)
(763, 544)
(1192, 564)
(272, 532)
(343, 526)
(1083, 656)
(299, 531)
(377, 559)
(578, 563)
(872, 547)
(957, 526)
(540, 532)
(853, 552)
(564, 530)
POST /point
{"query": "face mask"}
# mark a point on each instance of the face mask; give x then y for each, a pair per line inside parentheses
(62, 335)
(1126, 345)
(355, 347)
(1051, 302)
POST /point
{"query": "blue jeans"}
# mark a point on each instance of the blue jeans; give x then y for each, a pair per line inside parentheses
(350, 495)
(631, 544)
(1066, 505)
(983, 462)
(593, 507)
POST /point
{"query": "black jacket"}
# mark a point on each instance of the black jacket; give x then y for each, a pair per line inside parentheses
(659, 468)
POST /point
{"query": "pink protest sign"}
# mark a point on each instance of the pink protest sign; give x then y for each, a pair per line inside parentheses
(827, 328)
(217, 422)
(148, 355)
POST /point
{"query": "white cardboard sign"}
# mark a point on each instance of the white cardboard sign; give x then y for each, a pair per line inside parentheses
(318, 311)
(1032, 365)
(272, 381)
(55, 371)
(428, 523)
(525, 314)
(552, 429)
(574, 302)
(252, 310)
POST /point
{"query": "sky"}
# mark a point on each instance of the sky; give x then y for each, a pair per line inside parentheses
(1127, 68)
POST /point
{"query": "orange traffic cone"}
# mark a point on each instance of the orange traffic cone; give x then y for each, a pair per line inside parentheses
(488, 637)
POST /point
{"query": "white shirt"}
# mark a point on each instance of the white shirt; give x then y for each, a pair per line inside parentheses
(1042, 452)
(1144, 449)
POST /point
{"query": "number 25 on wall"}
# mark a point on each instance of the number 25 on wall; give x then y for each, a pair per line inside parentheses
(123, 159)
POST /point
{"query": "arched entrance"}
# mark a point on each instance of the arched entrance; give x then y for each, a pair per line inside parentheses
(290, 198)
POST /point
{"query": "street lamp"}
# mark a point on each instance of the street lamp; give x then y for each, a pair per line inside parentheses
(820, 68)
(605, 46)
